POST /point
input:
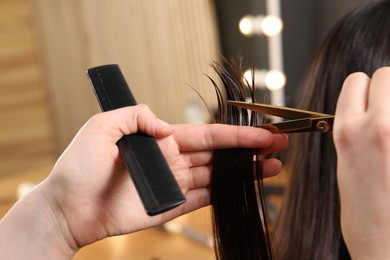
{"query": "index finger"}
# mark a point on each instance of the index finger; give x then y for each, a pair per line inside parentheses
(379, 94)
(219, 136)
(353, 96)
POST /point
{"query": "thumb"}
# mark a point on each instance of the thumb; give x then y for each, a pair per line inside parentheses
(139, 118)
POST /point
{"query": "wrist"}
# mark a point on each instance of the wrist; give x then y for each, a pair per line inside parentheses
(34, 228)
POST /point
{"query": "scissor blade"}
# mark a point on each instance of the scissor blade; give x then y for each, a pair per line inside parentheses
(320, 124)
(298, 125)
(285, 112)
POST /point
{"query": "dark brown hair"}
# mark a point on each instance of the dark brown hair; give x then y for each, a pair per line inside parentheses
(241, 226)
(309, 224)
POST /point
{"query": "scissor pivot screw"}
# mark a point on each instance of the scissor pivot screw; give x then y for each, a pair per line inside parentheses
(323, 126)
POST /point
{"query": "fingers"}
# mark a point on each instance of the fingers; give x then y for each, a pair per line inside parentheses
(379, 92)
(351, 105)
(353, 96)
(271, 167)
(280, 143)
(196, 199)
(361, 101)
(378, 113)
(129, 120)
(218, 136)
(360, 93)
(197, 158)
(201, 175)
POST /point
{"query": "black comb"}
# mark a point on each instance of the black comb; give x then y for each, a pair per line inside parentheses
(149, 171)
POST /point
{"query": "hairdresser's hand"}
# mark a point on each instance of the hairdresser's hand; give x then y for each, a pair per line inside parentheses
(362, 139)
(89, 194)
(92, 187)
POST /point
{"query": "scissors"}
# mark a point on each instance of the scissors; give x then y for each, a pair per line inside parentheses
(300, 120)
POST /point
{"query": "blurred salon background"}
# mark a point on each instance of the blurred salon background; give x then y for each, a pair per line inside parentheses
(164, 48)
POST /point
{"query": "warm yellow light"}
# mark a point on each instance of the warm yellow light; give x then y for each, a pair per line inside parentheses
(275, 80)
(268, 25)
(245, 25)
(259, 77)
(248, 75)
(271, 25)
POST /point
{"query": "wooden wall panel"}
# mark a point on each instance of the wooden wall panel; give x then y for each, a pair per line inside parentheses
(26, 137)
(161, 46)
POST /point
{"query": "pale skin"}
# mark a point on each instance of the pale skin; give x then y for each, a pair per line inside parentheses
(89, 195)
(362, 139)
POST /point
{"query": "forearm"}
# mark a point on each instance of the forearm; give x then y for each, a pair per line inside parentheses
(31, 230)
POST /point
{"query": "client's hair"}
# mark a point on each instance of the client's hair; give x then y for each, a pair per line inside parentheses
(241, 226)
(309, 224)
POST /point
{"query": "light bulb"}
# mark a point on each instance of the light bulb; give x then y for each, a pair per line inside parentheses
(275, 80)
(271, 25)
(267, 25)
(259, 77)
(248, 75)
(245, 25)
